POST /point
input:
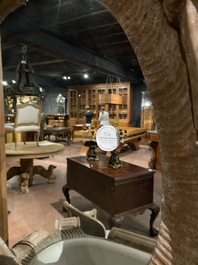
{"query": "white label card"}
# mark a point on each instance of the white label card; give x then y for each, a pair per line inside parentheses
(108, 138)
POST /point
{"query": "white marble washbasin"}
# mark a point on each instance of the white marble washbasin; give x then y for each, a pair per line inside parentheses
(90, 251)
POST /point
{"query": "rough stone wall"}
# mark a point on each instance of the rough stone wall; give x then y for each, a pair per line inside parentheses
(162, 34)
(8, 6)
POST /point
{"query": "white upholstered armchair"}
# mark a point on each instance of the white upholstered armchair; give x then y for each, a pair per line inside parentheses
(28, 118)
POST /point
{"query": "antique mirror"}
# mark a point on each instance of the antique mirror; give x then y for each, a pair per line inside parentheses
(60, 104)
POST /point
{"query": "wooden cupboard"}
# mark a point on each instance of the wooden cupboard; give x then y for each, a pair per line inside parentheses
(116, 97)
(147, 118)
(58, 120)
(147, 112)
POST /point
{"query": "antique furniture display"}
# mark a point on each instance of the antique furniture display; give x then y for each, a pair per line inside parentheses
(58, 120)
(28, 119)
(116, 97)
(26, 153)
(62, 134)
(77, 127)
(155, 162)
(82, 133)
(128, 136)
(118, 192)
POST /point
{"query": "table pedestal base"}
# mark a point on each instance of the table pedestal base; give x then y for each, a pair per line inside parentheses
(26, 172)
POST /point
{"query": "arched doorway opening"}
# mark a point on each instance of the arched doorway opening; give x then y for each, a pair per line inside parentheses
(164, 47)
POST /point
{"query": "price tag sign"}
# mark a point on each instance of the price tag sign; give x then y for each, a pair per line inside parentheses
(107, 138)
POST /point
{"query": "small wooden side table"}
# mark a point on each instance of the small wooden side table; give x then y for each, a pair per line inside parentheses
(62, 134)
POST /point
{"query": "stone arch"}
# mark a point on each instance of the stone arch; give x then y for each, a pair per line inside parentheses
(161, 33)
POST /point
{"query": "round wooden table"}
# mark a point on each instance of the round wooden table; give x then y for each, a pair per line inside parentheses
(26, 153)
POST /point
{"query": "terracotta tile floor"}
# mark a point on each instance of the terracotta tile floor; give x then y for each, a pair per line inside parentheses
(43, 204)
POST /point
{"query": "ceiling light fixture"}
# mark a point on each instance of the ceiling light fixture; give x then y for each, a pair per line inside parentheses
(86, 76)
(4, 83)
(25, 83)
(66, 77)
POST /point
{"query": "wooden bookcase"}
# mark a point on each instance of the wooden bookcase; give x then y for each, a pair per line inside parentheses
(116, 97)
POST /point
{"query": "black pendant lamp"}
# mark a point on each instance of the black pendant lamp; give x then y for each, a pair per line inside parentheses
(25, 84)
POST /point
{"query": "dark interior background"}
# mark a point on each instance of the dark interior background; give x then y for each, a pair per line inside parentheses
(70, 38)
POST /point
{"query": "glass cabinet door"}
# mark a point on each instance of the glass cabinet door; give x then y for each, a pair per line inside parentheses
(112, 111)
(73, 102)
(92, 101)
(122, 91)
(81, 103)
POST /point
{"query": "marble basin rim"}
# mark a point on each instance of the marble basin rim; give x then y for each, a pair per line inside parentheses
(92, 251)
